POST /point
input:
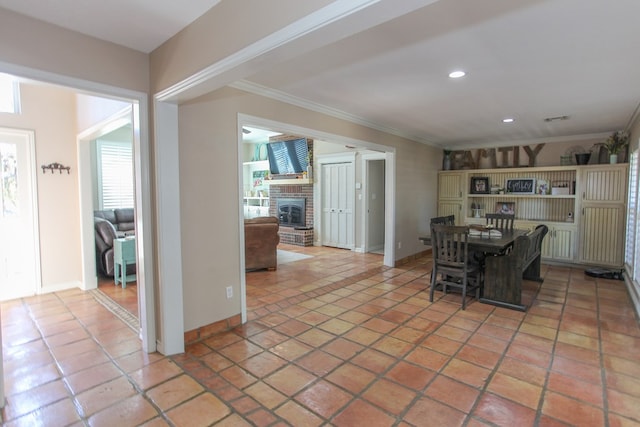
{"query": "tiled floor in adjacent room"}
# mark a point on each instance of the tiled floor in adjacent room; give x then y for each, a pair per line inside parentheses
(337, 340)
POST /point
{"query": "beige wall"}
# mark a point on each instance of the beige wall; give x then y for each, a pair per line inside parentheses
(227, 28)
(209, 187)
(31, 43)
(50, 112)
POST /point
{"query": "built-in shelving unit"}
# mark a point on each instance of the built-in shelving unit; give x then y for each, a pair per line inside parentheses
(586, 222)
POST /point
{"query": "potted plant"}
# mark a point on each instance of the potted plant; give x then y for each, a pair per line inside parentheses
(615, 143)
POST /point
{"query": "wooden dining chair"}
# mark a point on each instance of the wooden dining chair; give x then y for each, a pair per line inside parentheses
(501, 221)
(444, 220)
(452, 266)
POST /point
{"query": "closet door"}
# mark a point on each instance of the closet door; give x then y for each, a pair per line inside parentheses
(337, 205)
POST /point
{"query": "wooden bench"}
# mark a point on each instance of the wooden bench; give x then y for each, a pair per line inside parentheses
(504, 273)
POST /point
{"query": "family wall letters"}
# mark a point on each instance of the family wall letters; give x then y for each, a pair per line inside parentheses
(503, 157)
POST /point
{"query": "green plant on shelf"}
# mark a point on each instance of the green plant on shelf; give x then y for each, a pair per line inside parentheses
(616, 142)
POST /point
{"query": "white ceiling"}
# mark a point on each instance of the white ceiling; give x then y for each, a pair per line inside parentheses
(527, 59)
(139, 24)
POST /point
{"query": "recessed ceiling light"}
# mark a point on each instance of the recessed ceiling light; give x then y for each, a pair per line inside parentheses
(508, 120)
(457, 74)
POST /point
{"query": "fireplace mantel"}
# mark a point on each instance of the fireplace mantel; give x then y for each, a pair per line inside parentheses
(301, 181)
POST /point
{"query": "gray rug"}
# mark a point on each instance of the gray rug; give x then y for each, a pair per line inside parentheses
(285, 257)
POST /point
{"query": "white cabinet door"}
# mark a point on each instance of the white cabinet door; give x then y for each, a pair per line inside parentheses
(603, 235)
(450, 185)
(559, 242)
(563, 243)
(337, 205)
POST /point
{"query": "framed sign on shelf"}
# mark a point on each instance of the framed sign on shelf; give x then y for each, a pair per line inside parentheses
(479, 185)
(521, 186)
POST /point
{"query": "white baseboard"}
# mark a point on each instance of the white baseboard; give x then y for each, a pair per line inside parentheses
(57, 287)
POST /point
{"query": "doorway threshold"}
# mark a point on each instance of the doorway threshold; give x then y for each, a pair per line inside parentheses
(129, 319)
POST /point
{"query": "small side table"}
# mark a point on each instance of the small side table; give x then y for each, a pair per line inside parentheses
(124, 253)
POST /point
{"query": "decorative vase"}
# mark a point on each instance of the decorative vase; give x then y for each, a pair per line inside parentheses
(613, 159)
(446, 162)
(583, 158)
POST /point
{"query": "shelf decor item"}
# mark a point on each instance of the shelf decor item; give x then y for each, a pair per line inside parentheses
(583, 158)
(508, 208)
(559, 188)
(446, 160)
(480, 185)
(521, 186)
(617, 142)
(543, 187)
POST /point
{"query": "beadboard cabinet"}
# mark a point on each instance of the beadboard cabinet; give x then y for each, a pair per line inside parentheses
(585, 216)
(603, 214)
(450, 194)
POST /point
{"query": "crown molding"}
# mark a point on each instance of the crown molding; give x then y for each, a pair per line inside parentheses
(281, 96)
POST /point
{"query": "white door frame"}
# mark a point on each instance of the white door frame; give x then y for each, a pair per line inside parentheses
(366, 157)
(318, 135)
(144, 238)
(85, 173)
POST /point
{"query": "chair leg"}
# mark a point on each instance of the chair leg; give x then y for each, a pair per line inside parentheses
(433, 284)
(464, 292)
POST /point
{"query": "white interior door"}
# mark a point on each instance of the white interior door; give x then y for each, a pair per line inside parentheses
(375, 206)
(19, 255)
(337, 205)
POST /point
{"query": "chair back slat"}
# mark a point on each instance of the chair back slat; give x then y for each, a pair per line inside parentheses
(450, 245)
(444, 220)
(500, 221)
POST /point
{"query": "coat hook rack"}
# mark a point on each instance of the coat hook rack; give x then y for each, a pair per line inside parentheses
(56, 167)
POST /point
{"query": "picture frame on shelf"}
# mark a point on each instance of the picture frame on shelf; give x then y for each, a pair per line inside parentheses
(508, 208)
(542, 187)
(521, 186)
(480, 185)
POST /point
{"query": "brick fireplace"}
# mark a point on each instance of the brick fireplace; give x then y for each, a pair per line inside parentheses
(300, 236)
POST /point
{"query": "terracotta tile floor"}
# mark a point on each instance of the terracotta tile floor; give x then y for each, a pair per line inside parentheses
(127, 298)
(337, 340)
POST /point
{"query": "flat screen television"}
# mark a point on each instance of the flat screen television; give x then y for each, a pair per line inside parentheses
(287, 157)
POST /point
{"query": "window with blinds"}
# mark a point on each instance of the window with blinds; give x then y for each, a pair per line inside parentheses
(632, 256)
(115, 174)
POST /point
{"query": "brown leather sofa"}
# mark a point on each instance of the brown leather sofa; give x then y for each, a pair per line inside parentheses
(260, 243)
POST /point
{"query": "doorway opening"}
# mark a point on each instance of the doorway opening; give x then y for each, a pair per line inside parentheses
(370, 151)
(138, 102)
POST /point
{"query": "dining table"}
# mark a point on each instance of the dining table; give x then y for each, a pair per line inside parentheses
(490, 244)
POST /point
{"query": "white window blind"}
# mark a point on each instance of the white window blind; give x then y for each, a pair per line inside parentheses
(115, 174)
